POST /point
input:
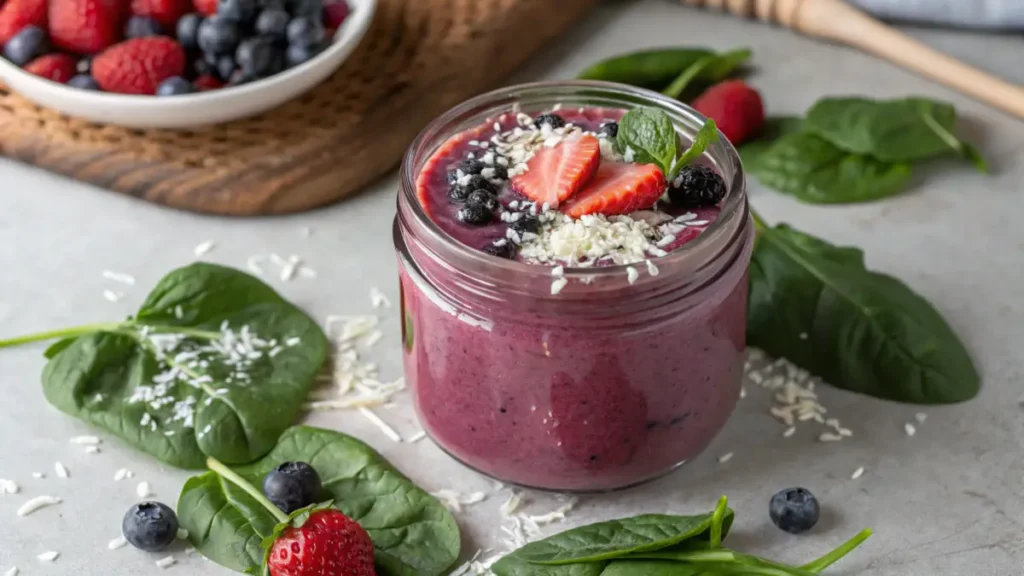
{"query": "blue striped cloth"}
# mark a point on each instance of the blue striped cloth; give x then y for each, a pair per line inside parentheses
(999, 14)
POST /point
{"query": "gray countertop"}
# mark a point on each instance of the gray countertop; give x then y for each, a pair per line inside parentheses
(948, 501)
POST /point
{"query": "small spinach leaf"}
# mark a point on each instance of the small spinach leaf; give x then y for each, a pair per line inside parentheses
(890, 130)
(813, 170)
(413, 534)
(707, 136)
(172, 383)
(648, 133)
(773, 129)
(818, 306)
(617, 538)
(653, 69)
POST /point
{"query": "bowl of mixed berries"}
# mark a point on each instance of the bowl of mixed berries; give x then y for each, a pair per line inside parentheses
(173, 63)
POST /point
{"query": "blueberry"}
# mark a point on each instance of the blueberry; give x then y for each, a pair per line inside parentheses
(553, 120)
(474, 214)
(292, 485)
(150, 526)
(174, 86)
(272, 5)
(26, 46)
(312, 9)
(188, 30)
(794, 510)
(241, 11)
(295, 54)
(305, 32)
(255, 56)
(526, 223)
(141, 27)
(273, 23)
(218, 35)
(460, 192)
(478, 182)
(697, 186)
(84, 65)
(223, 66)
(84, 82)
(505, 249)
(609, 129)
(472, 166)
(483, 198)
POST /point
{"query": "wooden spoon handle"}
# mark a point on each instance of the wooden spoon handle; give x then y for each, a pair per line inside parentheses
(838, 21)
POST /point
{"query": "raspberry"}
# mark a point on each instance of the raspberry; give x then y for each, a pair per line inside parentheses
(85, 26)
(56, 67)
(207, 7)
(207, 82)
(15, 15)
(138, 66)
(166, 12)
(735, 107)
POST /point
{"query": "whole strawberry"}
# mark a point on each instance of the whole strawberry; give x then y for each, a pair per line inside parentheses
(56, 67)
(17, 14)
(327, 544)
(735, 107)
(166, 12)
(138, 66)
(85, 26)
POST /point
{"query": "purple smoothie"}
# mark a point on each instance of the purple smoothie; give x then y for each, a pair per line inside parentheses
(533, 394)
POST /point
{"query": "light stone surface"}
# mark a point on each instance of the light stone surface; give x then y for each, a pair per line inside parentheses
(947, 502)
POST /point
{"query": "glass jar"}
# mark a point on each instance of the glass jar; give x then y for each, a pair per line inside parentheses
(604, 385)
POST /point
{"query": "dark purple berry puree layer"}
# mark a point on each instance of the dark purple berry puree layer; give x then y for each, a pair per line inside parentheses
(560, 402)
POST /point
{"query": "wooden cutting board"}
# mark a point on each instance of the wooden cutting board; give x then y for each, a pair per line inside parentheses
(418, 59)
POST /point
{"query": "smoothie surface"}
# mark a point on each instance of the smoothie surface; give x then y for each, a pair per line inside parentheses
(480, 188)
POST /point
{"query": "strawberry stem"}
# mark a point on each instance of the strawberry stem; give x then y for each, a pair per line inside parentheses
(231, 476)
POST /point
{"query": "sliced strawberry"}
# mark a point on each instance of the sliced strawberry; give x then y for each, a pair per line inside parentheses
(618, 188)
(559, 172)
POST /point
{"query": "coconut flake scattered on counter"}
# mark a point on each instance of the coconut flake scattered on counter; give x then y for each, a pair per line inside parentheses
(378, 299)
(8, 486)
(182, 534)
(380, 423)
(48, 556)
(417, 437)
(142, 490)
(909, 429)
(12, 572)
(122, 474)
(119, 277)
(166, 562)
(454, 501)
(857, 473)
(119, 542)
(112, 296)
(61, 470)
(85, 440)
(204, 248)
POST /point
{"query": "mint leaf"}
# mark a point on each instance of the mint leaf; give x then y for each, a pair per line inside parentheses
(648, 135)
(707, 136)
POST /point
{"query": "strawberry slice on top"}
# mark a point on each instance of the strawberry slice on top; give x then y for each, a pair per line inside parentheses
(558, 172)
(618, 188)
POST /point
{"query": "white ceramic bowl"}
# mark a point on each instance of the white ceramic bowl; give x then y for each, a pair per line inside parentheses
(202, 108)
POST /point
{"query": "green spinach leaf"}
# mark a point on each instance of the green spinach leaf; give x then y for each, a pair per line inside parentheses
(413, 534)
(813, 170)
(818, 306)
(653, 568)
(653, 69)
(512, 566)
(215, 363)
(707, 136)
(649, 135)
(617, 538)
(890, 130)
(708, 70)
(774, 128)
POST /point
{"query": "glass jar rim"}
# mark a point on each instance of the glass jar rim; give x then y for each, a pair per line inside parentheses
(735, 200)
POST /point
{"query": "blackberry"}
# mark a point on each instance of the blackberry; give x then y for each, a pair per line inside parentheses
(472, 166)
(506, 250)
(500, 172)
(553, 120)
(609, 129)
(474, 214)
(697, 186)
(794, 510)
(526, 223)
(483, 198)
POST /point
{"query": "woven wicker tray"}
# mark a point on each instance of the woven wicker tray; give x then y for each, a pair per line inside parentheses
(419, 58)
